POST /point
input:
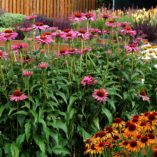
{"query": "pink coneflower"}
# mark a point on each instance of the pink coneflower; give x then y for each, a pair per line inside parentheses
(144, 96)
(95, 32)
(3, 55)
(105, 16)
(133, 47)
(64, 52)
(27, 73)
(18, 96)
(20, 46)
(8, 35)
(90, 16)
(32, 17)
(100, 95)
(43, 65)
(110, 23)
(88, 80)
(44, 39)
(26, 29)
(77, 17)
(128, 31)
(40, 26)
(83, 34)
(70, 35)
(105, 32)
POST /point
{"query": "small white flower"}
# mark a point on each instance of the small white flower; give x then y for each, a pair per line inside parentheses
(142, 81)
(155, 66)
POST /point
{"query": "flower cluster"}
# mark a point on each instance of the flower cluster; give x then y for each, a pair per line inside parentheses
(137, 135)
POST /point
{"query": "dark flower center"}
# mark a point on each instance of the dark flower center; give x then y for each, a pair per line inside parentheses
(151, 117)
(143, 93)
(88, 15)
(100, 93)
(101, 144)
(47, 33)
(78, 15)
(100, 134)
(43, 37)
(1, 54)
(39, 24)
(82, 31)
(8, 31)
(151, 136)
(115, 137)
(109, 129)
(125, 143)
(66, 30)
(143, 124)
(144, 139)
(105, 16)
(17, 93)
(118, 120)
(135, 120)
(133, 143)
(132, 127)
(63, 51)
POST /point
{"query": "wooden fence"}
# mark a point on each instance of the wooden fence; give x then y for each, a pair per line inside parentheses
(49, 8)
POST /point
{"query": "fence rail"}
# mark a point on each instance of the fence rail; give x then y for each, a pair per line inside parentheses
(49, 8)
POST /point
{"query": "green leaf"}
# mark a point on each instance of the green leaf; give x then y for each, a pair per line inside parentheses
(60, 150)
(96, 122)
(108, 114)
(2, 107)
(39, 141)
(62, 95)
(0, 152)
(58, 124)
(27, 131)
(20, 139)
(83, 132)
(11, 110)
(14, 150)
(21, 113)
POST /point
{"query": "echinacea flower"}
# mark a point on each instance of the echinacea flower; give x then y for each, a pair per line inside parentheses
(88, 80)
(105, 16)
(20, 46)
(18, 96)
(77, 17)
(133, 47)
(31, 17)
(144, 96)
(8, 35)
(83, 34)
(70, 35)
(27, 73)
(43, 65)
(101, 95)
(63, 52)
(40, 26)
(44, 39)
(90, 16)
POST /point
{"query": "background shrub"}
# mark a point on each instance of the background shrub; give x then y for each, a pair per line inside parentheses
(8, 19)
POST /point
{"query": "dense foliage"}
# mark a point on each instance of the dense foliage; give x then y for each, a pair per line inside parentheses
(60, 87)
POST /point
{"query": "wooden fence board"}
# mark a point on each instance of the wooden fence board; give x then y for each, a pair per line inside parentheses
(49, 8)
